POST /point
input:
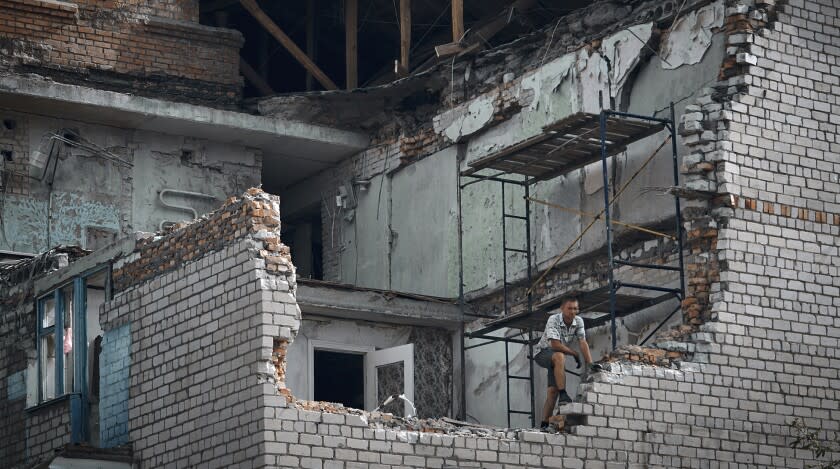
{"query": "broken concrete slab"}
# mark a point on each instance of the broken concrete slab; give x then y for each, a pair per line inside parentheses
(298, 148)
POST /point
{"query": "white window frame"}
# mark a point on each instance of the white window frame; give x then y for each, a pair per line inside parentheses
(331, 346)
(372, 359)
(400, 353)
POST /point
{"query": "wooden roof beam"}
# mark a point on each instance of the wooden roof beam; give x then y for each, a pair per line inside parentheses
(254, 9)
(457, 21)
(405, 37)
(351, 34)
(254, 78)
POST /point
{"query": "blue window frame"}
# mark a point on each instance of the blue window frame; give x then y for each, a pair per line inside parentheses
(57, 316)
(62, 347)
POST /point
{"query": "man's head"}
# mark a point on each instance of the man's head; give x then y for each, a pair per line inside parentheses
(570, 307)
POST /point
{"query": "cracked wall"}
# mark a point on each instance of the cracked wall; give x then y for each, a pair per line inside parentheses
(69, 182)
(515, 105)
(490, 105)
(765, 348)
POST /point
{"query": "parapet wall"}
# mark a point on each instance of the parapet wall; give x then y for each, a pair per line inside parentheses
(209, 306)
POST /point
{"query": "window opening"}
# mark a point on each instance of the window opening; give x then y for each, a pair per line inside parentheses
(67, 338)
(340, 377)
(68, 325)
(302, 233)
(46, 346)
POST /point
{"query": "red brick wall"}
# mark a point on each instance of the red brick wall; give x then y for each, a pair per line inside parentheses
(186, 10)
(254, 213)
(155, 43)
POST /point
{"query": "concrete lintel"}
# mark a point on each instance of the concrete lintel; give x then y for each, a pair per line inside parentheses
(43, 96)
(343, 303)
(98, 258)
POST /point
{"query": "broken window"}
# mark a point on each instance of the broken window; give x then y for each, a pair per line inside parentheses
(56, 343)
(68, 323)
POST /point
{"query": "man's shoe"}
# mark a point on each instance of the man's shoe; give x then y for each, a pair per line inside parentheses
(564, 398)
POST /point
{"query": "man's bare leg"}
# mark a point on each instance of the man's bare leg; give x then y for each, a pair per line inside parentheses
(550, 402)
(558, 359)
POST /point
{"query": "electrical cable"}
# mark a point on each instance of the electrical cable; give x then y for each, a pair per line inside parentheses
(589, 214)
(592, 223)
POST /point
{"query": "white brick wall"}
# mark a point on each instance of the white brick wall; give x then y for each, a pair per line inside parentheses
(771, 352)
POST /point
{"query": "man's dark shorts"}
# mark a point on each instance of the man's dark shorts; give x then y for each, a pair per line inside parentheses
(543, 359)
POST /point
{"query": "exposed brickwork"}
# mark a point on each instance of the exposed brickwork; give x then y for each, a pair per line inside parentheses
(208, 336)
(185, 10)
(47, 428)
(761, 320)
(14, 142)
(238, 217)
(151, 48)
(114, 368)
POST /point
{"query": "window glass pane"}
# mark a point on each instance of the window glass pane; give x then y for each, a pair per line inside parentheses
(67, 295)
(49, 311)
(68, 367)
(48, 366)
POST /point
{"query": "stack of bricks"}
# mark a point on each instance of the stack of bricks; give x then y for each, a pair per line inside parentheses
(162, 49)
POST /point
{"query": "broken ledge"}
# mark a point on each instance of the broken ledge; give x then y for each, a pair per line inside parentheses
(31, 93)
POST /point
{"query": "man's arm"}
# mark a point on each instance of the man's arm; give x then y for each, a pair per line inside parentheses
(587, 355)
(558, 346)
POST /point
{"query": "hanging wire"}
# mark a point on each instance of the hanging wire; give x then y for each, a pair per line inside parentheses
(592, 223)
(593, 215)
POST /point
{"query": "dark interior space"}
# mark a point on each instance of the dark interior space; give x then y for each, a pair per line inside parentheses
(317, 27)
(340, 377)
(302, 233)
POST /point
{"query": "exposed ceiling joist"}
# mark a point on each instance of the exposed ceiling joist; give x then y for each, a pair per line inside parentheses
(258, 14)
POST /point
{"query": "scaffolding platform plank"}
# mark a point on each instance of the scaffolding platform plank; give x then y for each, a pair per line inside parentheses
(590, 302)
(568, 144)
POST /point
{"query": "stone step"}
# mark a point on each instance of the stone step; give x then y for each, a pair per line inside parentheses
(574, 408)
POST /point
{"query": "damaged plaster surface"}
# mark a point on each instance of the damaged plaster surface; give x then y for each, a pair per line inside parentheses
(214, 329)
(463, 121)
(107, 182)
(508, 102)
(691, 35)
(578, 78)
(545, 94)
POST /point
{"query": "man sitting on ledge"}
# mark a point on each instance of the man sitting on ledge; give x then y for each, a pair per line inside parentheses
(553, 347)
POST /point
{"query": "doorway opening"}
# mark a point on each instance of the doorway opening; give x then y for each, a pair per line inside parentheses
(340, 377)
(302, 233)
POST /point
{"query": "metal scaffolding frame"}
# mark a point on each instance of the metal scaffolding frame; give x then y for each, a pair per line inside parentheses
(564, 147)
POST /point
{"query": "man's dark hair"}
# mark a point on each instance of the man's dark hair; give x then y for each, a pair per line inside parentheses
(571, 296)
